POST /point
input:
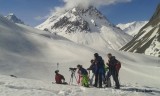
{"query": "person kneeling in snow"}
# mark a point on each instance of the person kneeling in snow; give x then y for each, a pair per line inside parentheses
(59, 78)
(83, 75)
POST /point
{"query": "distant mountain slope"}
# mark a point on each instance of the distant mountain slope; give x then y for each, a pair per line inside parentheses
(147, 41)
(133, 27)
(87, 26)
(13, 18)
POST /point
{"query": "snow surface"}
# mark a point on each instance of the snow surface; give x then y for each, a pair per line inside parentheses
(26, 87)
(132, 28)
(30, 53)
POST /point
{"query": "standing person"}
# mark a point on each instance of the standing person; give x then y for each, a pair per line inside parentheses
(112, 69)
(93, 69)
(84, 76)
(107, 76)
(59, 78)
(100, 70)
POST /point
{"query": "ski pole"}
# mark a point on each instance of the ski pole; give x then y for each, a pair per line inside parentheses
(57, 66)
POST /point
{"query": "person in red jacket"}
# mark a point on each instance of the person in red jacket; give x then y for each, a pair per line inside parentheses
(59, 78)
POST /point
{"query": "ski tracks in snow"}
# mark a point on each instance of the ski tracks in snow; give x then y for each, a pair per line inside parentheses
(10, 86)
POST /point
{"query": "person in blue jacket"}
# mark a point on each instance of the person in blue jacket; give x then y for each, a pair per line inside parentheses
(100, 70)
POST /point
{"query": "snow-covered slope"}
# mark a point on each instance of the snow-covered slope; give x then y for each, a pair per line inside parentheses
(26, 87)
(30, 53)
(13, 18)
(148, 39)
(133, 27)
(86, 26)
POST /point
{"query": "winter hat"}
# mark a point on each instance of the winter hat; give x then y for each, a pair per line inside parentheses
(56, 71)
(79, 65)
(96, 54)
(92, 61)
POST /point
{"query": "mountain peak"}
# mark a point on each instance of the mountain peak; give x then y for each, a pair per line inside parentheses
(86, 26)
(13, 18)
(77, 19)
(11, 14)
(91, 10)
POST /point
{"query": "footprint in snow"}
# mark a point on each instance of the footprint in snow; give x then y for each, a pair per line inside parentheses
(2, 83)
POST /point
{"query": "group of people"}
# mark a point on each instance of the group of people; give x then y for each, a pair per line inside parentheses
(101, 71)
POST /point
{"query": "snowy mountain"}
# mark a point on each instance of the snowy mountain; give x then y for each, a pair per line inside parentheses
(86, 26)
(33, 54)
(148, 39)
(133, 27)
(13, 18)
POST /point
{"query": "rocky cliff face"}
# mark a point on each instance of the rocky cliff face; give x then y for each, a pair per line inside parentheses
(147, 41)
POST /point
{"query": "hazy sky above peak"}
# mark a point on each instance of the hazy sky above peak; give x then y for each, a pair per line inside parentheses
(34, 12)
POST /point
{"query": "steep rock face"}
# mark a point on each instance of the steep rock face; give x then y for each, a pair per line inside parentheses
(86, 26)
(147, 41)
(76, 20)
(11, 17)
(72, 26)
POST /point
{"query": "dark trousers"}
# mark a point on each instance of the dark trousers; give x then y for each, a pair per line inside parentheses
(114, 74)
(98, 79)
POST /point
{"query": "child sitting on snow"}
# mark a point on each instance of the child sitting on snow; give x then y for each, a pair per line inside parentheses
(59, 78)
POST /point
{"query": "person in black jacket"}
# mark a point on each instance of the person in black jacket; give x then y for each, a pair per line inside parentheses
(112, 69)
(99, 71)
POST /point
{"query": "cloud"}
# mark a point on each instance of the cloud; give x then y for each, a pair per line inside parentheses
(39, 18)
(68, 4)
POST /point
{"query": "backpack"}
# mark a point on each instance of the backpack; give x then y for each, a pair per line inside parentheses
(118, 66)
(106, 68)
